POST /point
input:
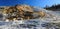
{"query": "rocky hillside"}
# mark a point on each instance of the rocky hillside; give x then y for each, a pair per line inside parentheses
(22, 12)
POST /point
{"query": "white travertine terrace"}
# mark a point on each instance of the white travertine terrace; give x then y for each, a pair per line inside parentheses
(49, 17)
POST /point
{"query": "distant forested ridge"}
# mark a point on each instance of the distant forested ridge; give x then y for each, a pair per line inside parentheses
(53, 7)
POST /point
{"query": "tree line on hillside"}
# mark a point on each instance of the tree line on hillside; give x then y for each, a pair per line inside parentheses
(53, 7)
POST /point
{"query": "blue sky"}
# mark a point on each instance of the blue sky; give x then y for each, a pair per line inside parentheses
(39, 3)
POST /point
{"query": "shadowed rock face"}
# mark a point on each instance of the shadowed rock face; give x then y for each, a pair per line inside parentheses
(23, 12)
(1, 15)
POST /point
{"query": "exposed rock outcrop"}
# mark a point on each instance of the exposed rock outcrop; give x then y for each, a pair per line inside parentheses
(22, 12)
